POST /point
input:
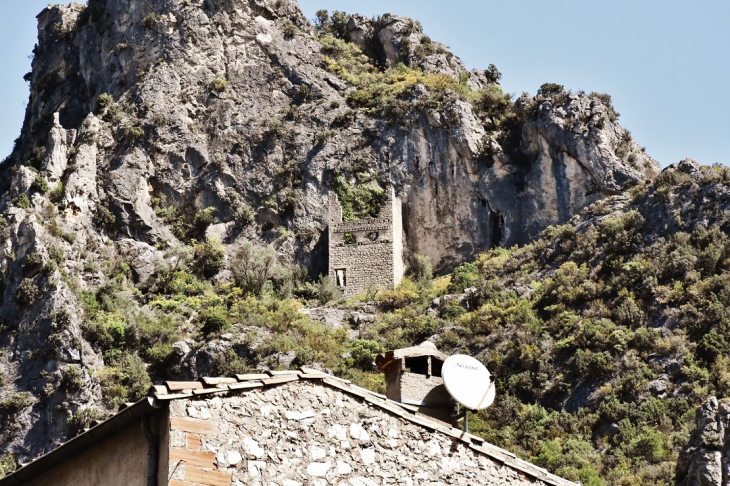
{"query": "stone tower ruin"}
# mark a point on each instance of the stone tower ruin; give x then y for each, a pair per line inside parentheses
(368, 252)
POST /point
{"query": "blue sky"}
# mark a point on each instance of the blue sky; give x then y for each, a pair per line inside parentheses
(666, 64)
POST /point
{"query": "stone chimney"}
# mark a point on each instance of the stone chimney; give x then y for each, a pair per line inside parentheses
(413, 377)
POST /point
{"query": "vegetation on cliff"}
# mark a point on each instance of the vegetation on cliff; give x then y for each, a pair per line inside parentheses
(604, 334)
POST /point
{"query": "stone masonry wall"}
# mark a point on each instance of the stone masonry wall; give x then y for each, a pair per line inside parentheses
(374, 253)
(302, 433)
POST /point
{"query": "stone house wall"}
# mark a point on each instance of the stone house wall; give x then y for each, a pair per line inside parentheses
(302, 433)
(366, 252)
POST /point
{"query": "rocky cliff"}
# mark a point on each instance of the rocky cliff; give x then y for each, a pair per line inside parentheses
(156, 122)
(706, 461)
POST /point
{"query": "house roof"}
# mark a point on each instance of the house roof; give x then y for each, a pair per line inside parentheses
(217, 386)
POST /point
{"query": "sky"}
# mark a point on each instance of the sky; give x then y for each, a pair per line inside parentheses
(666, 64)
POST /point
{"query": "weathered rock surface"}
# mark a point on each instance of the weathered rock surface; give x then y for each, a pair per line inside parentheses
(706, 460)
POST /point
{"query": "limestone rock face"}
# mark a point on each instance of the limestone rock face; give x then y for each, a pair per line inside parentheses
(142, 113)
(706, 460)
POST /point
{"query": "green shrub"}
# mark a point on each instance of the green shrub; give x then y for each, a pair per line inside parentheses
(711, 346)
(252, 266)
(73, 379)
(405, 294)
(134, 133)
(56, 254)
(150, 21)
(229, 364)
(82, 420)
(359, 201)
(214, 320)
(363, 353)
(244, 216)
(550, 89)
(103, 102)
(204, 218)
(28, 292)
(16, 403)
(649, 445)
(40, 184)
(7, 465)
(336, 25)
(465, 275)
(493, 103)
(219, 84)
(453, 310)
(208, 257)
(289, 28)
(32, 261)
(22, 201)
(328, 290)
(304, 356)
(126, 381)
(56, 194)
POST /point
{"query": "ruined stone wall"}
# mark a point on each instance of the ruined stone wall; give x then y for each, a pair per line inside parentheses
(301, 433)
(366, 252)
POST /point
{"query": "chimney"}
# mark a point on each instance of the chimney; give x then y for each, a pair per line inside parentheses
(413, 377)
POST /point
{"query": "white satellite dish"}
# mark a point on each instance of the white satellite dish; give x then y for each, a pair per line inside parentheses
(468, 382)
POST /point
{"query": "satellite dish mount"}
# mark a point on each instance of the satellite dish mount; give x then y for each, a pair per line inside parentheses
(469, 383)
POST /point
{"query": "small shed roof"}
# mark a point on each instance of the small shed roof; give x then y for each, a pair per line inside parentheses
(427, 348)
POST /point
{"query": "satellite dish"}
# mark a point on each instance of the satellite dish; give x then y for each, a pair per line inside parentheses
(468, 382)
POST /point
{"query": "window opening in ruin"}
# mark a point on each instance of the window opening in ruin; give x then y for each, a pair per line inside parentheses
(373, 236)
(350, 239)
(341, 277)
(418, 365)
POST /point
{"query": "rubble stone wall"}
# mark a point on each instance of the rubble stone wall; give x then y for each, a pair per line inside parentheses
(301, 433)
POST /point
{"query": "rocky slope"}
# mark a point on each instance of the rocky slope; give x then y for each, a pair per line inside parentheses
(156, 123)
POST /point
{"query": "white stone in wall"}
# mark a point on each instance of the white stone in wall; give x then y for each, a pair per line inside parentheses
(234, 457)
(358, 433)
(319, 469)
(433, 448)
(367, 456)
(251, 447)
(291, 415)
(318, 453)
(343, 468)
(220, 458)
(255, 468)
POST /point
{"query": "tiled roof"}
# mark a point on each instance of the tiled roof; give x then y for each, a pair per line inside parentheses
(173, 390)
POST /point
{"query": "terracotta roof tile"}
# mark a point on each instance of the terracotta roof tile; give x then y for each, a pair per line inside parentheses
(183, 385)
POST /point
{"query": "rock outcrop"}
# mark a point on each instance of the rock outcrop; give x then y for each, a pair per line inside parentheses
(143, 115)
(706, 460)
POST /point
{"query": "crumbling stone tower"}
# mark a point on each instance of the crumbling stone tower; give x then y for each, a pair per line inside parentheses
(366, 252)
